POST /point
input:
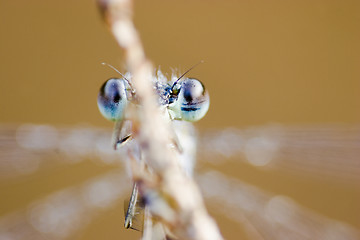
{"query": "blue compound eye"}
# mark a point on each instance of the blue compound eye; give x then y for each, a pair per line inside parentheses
(112, 99)
(193, 100)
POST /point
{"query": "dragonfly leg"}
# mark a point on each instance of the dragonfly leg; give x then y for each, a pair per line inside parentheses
(135, 211)
(118, 141)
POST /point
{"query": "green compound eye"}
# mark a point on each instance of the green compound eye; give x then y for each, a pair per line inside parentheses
(112, 99)
(192, 102)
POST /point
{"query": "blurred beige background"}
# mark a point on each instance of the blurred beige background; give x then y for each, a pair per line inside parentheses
(286, 62)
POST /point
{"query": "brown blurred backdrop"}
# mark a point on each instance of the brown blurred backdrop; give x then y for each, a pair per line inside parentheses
(286, 62)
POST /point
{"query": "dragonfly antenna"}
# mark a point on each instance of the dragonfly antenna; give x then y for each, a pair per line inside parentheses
(202, 61)
(113, 68)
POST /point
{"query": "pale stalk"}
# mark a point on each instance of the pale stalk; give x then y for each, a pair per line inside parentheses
(187, 217)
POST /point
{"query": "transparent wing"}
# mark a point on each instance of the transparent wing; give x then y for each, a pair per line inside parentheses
(324, 152)
(269, 216)
(61, 214)
(27, 148)
(331, 150)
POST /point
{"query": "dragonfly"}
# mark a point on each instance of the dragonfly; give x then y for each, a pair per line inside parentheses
(326, 153)
(180, 99)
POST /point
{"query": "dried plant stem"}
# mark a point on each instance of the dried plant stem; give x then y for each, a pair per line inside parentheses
(187, 217)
